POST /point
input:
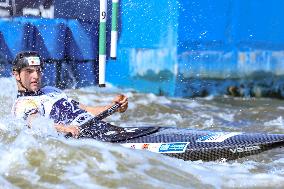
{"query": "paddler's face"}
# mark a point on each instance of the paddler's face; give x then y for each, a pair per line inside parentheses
(30, 77)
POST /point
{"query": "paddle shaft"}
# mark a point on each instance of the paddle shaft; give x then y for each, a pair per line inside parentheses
(101, 116)
(107, 112)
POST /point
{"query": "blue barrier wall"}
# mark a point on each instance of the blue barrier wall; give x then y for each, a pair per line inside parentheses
(173, 47)
(68, 48)
(147, 47)
(196, 48)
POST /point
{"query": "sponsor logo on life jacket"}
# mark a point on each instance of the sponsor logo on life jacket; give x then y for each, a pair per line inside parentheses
(244, 149)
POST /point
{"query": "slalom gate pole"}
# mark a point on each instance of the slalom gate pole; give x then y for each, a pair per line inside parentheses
(114, 34)
(102, 42)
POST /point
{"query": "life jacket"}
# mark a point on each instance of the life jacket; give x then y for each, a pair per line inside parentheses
(52, 103)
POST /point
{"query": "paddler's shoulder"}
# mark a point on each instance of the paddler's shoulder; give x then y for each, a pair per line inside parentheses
(25, 105)
(50, 89)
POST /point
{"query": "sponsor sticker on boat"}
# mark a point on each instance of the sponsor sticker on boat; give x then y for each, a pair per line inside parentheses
(245, 149)
(174, 147)
(217, 136)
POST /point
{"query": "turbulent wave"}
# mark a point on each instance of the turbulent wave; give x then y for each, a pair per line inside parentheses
(40, 158)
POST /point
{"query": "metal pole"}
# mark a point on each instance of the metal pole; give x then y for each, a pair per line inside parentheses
(113, 44)
(102, 42)
(14, 7)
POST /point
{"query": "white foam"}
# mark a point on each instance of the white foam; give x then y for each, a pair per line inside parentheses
(3, 127)
(167, 119)
(6, 184)
(93, 164)
(276, 122)
(14, 153)
(226, 116)
(43, 127)
(209, 122)
(9, 84)
(193, 104)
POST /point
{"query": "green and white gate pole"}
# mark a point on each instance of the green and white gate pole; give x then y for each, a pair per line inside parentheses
(113, 44)
(102, 43)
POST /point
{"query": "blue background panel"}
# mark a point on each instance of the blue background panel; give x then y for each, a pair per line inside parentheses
(87, 10)
(15, 37)
(81, 40)
(163, 45)
(259, 24)
(146, 24)
(204, 24)
(48, 36)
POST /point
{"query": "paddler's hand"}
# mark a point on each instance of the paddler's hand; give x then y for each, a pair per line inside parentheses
(123, 101)
(74, 130)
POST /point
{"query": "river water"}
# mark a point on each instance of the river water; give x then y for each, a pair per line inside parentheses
(39, 158)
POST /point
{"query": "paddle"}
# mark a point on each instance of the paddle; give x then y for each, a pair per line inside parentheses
(103, 131)
(107, 112)
(101, 116)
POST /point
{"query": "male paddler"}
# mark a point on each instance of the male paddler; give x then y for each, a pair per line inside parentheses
(33, 100)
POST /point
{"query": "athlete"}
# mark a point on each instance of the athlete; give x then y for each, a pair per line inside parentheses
(33, 100)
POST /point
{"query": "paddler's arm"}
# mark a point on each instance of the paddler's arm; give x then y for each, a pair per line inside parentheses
(59, 127)
(68, 129)
(121, 99)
